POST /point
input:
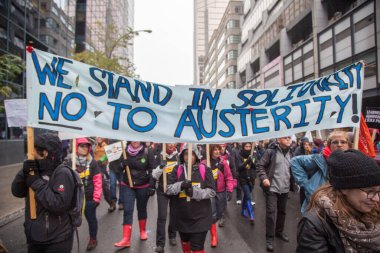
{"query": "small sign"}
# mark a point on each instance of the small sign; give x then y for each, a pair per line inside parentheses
(372, 117)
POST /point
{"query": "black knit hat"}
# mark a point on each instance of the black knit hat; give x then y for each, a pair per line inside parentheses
(51, 143)
(351, 169)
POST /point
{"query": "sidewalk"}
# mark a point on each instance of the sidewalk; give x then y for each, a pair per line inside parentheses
(10, 207)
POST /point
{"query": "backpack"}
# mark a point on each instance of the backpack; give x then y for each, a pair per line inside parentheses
(202, 170)
(77, 204)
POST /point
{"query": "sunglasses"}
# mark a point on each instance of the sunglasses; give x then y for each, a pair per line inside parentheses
(84, 145)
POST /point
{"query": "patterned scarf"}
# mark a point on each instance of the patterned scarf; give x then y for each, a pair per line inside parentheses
(134, 151)
(358, 236)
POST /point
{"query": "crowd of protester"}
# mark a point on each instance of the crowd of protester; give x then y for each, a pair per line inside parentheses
(339, 191)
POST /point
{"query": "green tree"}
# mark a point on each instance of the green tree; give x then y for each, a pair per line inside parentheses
(11, 67)
(112, 40)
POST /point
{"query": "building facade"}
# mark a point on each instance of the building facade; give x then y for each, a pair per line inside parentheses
(100, 23)
(44, 24)
(207, 16)
(221, 57)
(290, 41)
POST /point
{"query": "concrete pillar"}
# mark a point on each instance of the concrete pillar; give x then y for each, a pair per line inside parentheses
(285, 43)
(320, 21)
(263, 62)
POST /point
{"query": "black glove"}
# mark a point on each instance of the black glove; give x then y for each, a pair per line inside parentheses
(124, 163)
(29, 166)
(186, 185)
(229, 196)
(96, 204)
(189, 192)
(249, 160)
(151, 191)
(163, 164)
(30, 179)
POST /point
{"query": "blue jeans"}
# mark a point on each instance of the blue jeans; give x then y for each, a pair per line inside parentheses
(141, 196)
(247, 189)
(114, 178)
(90, 214)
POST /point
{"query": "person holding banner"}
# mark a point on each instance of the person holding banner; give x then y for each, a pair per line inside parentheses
(53, 184)
(276, 180)
(344, 214)
(116, 176)
(140, 162)
(163, 200)
(245, 163)
(193, 217)
(89, 171)
(310, 171)
(224, 186)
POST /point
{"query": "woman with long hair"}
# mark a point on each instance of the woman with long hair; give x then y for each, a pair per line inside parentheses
(344, 214)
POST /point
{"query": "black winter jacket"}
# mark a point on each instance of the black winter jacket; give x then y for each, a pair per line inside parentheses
(141, 167)
(246, 171)
(317, 234)
(196, 215)
(53, 201)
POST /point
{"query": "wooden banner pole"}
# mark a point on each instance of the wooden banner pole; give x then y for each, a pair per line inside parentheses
(208, 155)
(74, 154)
(356, 138)
(32, 199)
(164, 179)
(127, 168)
(189, 164)
(373, 137)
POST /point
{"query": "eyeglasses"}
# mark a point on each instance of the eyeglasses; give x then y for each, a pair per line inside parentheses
(371, 194)
(337, 142)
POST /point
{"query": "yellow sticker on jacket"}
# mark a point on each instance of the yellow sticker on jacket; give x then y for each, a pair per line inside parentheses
(182, 194)
(196, 184)
(215, 173)
(170, 166)
(84, 174)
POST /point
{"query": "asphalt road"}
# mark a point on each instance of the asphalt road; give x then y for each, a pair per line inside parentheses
(237, 235)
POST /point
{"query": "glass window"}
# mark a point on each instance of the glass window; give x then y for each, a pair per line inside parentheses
(3, 33)
(18, 42)
(233, 54)
(233, 39)
(231, 85)
(233, 24)
(231, 70)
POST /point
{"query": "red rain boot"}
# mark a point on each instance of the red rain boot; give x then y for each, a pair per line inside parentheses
(185, 247)
(214, 235)
(126, 240)
(142, 224)
(199, 251)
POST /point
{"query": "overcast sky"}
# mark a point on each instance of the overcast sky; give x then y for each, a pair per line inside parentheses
(164, 56)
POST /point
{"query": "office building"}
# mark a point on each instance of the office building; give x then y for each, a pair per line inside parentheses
(221, 57)
(207, 16)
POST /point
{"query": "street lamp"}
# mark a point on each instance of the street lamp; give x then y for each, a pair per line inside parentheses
(123, 38)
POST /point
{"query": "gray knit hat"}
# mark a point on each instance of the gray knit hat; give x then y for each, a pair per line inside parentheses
(351, 169)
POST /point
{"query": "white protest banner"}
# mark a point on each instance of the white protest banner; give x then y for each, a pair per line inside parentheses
(114, 151)
(16, 112)
(66, 95)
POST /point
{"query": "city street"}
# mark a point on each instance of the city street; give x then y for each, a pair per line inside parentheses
(237, 235)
